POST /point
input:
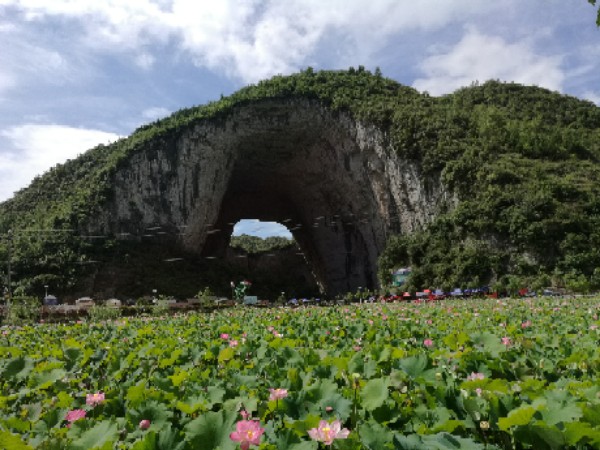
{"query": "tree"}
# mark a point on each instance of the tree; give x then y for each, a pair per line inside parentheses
(593, 2)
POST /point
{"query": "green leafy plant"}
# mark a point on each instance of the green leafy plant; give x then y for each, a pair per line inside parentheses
(22, 310)
(99, 313)
(206, 297)
(472, 374)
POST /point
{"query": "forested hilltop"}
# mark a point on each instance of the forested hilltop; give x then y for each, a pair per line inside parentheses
(522, 160)
(524, 163)
(255, 244)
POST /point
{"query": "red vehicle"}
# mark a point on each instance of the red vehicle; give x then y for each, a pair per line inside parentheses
(438, 294)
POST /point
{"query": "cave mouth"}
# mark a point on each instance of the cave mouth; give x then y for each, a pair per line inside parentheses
(295, 162)
(303, 168)
(265, 253)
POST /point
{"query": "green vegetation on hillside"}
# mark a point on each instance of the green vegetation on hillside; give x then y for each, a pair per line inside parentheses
(255, 244)
(522, 162)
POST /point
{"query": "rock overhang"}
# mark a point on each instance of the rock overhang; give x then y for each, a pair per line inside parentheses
(333, 181)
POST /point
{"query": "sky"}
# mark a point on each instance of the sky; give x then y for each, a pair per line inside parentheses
(76, 73)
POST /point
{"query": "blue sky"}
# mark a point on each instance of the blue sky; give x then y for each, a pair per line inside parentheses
(75, 73)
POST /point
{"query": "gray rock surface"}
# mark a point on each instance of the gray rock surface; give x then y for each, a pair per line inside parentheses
(334, 182)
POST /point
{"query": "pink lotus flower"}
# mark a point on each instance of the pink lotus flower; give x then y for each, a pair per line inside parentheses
(428, 342)
(506, 341)
(233, 343)
(526, 324)
(475, 376)
(144, 424)
(278, 394)
(94, 399)
(327, 432)
(224, 336)
(247, 432)
(74, 415)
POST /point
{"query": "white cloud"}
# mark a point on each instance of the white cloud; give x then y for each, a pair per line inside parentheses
(24, 60)
(38, 147)
(7, 81)
(154, 113)
(145, 61)
(480, 57)
(262, 39)
(249, 40)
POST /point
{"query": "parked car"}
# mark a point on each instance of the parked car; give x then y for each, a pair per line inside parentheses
(550, 292)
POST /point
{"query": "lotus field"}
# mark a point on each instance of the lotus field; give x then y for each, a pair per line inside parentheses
(469, 374)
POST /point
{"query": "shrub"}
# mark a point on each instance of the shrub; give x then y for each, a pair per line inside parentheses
(23, 310)
(206, 297)
(99, 313)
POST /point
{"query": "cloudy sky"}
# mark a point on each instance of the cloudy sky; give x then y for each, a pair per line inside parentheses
(75, 73)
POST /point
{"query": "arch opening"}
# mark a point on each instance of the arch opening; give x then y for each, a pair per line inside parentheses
(275, 264)
(261, 229)
(310, 175)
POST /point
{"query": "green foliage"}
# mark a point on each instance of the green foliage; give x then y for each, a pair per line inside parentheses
(161, 308)
(23, 310)
(11, 441)
(255, 244)
(212, 429)
(488, 382)
(100, 313)
(206, 297)
(523, 162)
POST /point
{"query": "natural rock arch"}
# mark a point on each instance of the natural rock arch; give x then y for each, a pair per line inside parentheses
(333, 181)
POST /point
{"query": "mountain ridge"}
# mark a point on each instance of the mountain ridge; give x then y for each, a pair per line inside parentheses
(521, 163)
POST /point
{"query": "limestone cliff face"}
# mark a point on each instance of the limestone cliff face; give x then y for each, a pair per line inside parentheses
(334, 182)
